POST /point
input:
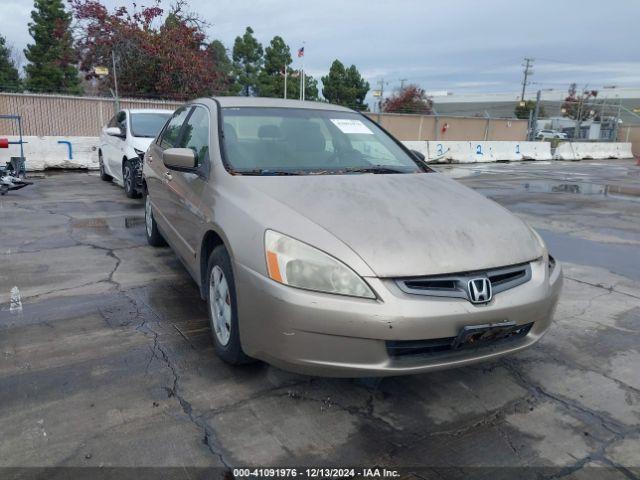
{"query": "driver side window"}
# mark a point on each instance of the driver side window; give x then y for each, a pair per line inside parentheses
(121, 120)
(196, 134)
(171, 133)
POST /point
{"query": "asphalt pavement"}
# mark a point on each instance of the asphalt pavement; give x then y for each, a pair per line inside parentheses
(106, 358)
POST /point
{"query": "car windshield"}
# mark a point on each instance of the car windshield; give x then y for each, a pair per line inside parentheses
(292, 141)
(147, 124)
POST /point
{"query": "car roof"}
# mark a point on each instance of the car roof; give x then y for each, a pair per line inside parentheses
(276, 103)
(147, 110)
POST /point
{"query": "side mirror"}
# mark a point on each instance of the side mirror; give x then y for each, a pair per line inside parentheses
(114, 132)
(419, 155)
(180, 159)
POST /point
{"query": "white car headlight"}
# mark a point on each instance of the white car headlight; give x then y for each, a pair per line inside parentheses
(297, 264)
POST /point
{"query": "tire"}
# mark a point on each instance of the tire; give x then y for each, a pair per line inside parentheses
(129, 179)
(103, 174)
(154, 237)
(223, 309)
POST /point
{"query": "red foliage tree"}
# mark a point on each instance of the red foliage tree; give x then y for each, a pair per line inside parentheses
(154, 57)
(410, 99)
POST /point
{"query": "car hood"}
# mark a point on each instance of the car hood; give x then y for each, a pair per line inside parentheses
(406, 224)
(141, 143)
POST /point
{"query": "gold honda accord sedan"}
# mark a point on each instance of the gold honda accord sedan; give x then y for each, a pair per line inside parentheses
(322, 245)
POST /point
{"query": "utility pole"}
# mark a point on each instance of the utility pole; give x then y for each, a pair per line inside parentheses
(536, 111)
(528, 70)
(402, 80)
(115, 80)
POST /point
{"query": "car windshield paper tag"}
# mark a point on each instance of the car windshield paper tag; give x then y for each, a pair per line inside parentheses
(351, 126)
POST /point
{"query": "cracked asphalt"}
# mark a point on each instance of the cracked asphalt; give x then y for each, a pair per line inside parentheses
(106, 358)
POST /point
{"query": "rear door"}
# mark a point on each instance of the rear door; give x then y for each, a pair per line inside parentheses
(159, 177)
(186, 188)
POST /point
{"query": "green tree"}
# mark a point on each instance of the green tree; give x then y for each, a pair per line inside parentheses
(522, 111)
(247, 62)
(51, 57)
(277, 57)
(223, 68)
(271, 78)
(9, 76)
(345, 86)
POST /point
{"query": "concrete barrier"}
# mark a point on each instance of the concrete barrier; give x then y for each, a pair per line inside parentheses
(480, 152)
(592, 150)
(452, 152)
(534, 150)
(42, 153)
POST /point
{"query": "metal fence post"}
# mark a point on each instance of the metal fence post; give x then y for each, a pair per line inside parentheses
(486, 127)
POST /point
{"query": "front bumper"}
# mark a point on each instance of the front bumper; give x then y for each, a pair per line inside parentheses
(332, 335)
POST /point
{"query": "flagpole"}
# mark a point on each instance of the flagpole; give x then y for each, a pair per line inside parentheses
(303, 82)
(285, 81)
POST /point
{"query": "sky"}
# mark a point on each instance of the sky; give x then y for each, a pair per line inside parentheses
(461, 46)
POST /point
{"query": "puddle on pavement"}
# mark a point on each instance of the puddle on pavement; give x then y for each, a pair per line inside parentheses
(620, 259)
(620, 192)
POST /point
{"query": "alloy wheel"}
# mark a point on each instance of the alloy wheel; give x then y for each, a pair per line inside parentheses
(127, 178)
(220, 305)
(148, 216)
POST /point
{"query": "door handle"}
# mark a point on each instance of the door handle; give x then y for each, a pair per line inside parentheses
(167, 176)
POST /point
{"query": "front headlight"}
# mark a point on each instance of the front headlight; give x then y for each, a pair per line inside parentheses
(540, 241)
(297, 264)
(551, 262)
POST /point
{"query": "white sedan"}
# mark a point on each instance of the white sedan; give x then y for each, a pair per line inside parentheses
(122, 145)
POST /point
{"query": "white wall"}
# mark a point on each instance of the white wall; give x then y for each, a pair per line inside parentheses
(47, 152)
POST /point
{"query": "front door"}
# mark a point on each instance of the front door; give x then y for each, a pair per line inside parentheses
(116, 147)
(160, 178)
(187, 188)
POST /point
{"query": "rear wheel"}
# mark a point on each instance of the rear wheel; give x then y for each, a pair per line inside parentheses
(129, 179)
(223, 310)
(154, 237)
(103, 174)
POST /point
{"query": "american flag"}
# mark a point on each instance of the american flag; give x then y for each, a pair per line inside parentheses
(301, 52)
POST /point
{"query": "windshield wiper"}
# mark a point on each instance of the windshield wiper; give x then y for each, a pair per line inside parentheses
(372, 169)
(266, 172)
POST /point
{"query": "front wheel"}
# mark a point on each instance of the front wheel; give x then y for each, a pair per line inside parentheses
(103, 174)
(154, 237)
(129, 179)
(223, 310)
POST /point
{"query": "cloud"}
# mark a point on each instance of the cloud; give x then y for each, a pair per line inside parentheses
(460, 44)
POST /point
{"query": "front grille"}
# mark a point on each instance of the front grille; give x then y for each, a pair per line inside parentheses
(456, 285)
(439, 346)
